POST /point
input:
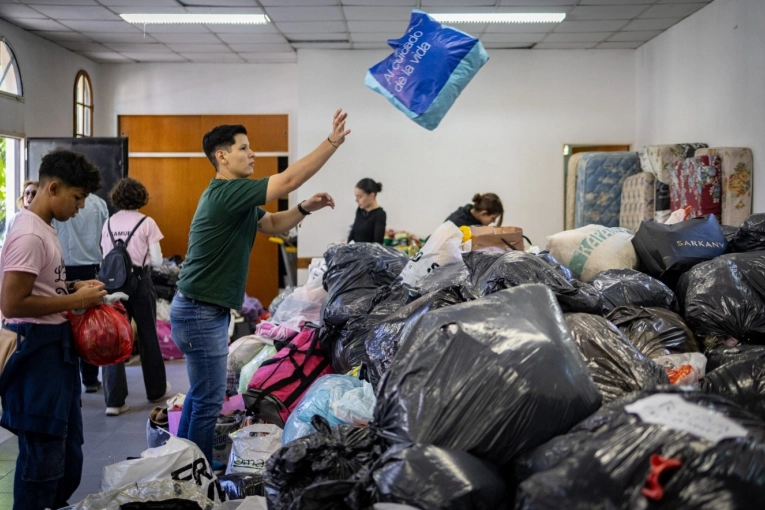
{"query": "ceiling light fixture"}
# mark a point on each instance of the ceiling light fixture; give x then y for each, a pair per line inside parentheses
(207, 19)
(502, 17)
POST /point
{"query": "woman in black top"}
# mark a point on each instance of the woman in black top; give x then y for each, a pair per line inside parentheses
(484, 210)
(369, 225)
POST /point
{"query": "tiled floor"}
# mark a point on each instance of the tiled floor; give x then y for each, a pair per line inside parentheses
(108, 439)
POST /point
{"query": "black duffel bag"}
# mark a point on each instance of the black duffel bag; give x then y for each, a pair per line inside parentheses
(667, 251)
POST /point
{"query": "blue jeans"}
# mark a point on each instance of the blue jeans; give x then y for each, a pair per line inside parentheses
(200, 330)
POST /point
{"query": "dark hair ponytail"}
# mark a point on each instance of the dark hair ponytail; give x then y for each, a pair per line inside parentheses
(368, 185)
(488, 203)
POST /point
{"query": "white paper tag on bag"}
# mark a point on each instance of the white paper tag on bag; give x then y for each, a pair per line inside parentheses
(673, 412)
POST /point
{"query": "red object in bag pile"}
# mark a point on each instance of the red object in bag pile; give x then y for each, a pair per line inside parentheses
(103, 335)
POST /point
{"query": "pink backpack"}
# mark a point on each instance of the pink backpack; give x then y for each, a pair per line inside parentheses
(276, 387)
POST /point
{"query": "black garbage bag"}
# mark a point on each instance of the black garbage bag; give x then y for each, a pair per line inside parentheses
(730, 232)
(667, 251)
(241, 485)
(742, 381)
(350, 345)
(616, 366)
(654, 331)
(493, 377)
(317, 471)
(627, 287)
(354, 273)
(605, 461)
(722, 355)
(724, 297)
(478, 262)
(751, 234)
(383, 340)
(432, 478)
(517, 268)
(563, 270)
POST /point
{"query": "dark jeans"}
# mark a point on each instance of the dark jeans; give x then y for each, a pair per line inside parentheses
(142, 307)
(49, 468)
(89, 372)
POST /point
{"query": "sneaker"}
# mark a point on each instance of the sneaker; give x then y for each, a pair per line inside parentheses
(116, 411)
(158, 417)
(92, 388)
(167, 390)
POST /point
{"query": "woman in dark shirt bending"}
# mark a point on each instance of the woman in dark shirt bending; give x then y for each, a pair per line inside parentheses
(369, 225)
(484, 210)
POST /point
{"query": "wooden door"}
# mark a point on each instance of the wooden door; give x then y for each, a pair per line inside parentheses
(176, 173)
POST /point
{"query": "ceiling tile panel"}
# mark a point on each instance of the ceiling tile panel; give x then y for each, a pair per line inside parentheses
(511, 38)
(297, 27)
(155, 57)
(651, 24)
(323, 46)
(563, 46)
(100, 26)
(286, 14)
(457, 3)
(671, 10)
(684, 1)
(370, 46)
(589, 26)
(382, 3)
(39, 24)
(138, 3)
(318, 37)
(158, 9)
(59, 2)
(620, 45)
(185, 38)
(298, 3)
(372, 37)
(378, 26)
(361, 13)
(61, 36)
(520, 28)
(60, 12)
(533, 3)
(199, 48)
(262, 48)
(138, 48)
(616, 2)
(508, 46)
(214, 58)
(18, 11)
(577, 37)
(272, 58)
(252, 38)
(581, 13)
(84, 46)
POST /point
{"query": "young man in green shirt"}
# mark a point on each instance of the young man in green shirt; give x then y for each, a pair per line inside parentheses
(214, 272)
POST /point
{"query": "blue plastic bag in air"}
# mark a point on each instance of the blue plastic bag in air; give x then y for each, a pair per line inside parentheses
(428, 69)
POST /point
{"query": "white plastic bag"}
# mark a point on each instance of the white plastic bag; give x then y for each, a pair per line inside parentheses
(442, 249)
(303, 305)
(242, 350)
(163, 310)
(356, 406)
(676, 217)
(178, 459)
(684, 369)
(252, 446)
(158, 490)
(250, 368)
(593, 248)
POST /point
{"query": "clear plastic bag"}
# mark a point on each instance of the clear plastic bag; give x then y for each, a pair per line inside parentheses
(250, 368)
(302, 305)
(683, 369)
(157, 490)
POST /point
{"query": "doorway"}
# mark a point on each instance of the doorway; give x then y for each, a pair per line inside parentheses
(10, 174)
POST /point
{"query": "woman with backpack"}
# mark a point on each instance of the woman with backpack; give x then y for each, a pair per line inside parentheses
(130, 243)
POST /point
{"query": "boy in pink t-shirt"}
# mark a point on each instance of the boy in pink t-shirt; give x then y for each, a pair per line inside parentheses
(40, 384)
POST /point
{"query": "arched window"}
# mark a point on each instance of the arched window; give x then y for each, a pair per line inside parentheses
(83, 105)
(10, 79)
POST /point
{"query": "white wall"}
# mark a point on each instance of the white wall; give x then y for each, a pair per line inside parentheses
(48, 72)
(703, 80)
(505, 134)
(186, 89)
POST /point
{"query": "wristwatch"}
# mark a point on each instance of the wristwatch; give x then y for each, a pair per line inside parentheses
(70, 286)
(302, 211)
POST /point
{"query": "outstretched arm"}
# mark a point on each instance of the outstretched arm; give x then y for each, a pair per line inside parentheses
(303, 169)
(280, 222)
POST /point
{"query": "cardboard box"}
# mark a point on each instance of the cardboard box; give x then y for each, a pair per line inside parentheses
(506, 238)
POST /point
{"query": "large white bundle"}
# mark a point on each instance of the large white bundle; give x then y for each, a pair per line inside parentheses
(593, 248)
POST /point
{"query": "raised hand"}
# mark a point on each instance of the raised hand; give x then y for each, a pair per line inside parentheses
(318, 201)
(337, 137)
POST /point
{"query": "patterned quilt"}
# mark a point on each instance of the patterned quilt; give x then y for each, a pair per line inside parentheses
(637, 200)
(696, 182)
(600, 176)
(737, 171)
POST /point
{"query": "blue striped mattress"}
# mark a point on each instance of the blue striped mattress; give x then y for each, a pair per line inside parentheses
(600, 176)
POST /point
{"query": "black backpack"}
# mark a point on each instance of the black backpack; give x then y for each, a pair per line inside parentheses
(117, 268)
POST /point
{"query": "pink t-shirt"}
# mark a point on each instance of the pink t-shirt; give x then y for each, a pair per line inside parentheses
(32, 247)
(122, 223)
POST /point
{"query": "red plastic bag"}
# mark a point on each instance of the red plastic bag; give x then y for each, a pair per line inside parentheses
(103, 335)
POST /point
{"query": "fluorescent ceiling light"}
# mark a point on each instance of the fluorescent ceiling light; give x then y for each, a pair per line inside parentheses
(207, 19)
(514, 17)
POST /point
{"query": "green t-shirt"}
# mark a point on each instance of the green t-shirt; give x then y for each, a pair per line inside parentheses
(221, 238)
